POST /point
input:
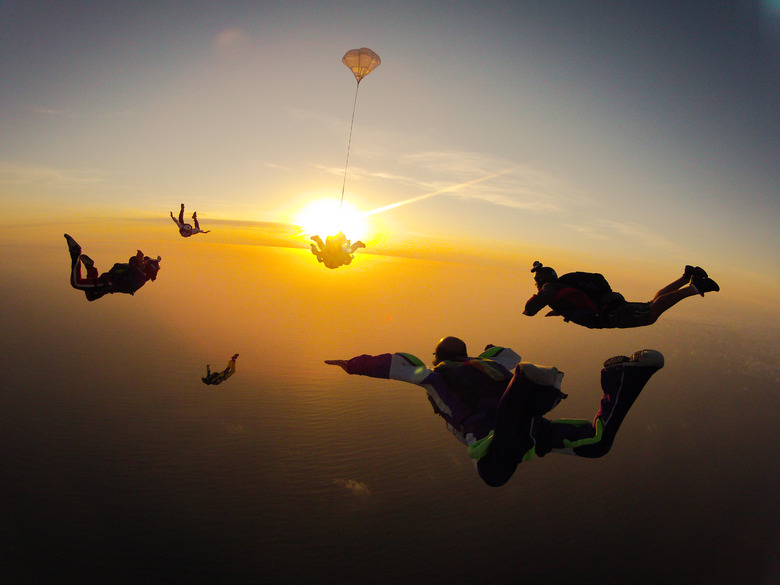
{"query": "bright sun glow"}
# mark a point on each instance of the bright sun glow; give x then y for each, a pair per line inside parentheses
(326, 217)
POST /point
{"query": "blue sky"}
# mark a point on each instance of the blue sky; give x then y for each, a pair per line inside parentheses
(645, 128)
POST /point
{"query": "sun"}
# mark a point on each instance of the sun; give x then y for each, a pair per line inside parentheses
(327, 217)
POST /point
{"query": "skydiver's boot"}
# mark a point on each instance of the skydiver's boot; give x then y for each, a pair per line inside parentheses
(75, 252)
(73, 248)
(622, 380)
(90, 266)
(691, 271)
(704, 285)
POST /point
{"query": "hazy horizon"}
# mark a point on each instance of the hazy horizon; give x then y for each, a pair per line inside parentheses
(122, 466)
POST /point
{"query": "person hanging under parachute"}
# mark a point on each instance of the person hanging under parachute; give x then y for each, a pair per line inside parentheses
(586, 298)
(495, 403)
(185, 229)
(122, 278)
(335, 251)
(214, 378)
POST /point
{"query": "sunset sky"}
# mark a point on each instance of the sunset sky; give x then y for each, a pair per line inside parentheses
(627, 138)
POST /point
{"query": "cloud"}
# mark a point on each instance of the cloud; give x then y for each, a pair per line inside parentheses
(229, 40)
(14, 174)
(51, 112)
(515, 185)
(604, 229)
(272, 165)
(471, 176)
(58, 113)
(466, 175)
(307, 117)
(357, 488)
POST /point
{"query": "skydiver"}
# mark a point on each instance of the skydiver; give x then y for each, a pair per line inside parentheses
(185, 229)
(212, 379)
(495, 403)
(587, 299)
(336, 251)
(122, 278)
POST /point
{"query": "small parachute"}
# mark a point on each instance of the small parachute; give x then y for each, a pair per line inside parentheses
(361, 62)
(338, 250)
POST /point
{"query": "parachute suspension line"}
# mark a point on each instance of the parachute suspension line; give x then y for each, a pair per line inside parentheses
(349, 144)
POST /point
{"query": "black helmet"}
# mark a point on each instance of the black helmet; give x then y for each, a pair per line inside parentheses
(543, 274)
(449, 348)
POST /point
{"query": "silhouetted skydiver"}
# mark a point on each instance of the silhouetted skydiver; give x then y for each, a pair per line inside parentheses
(185, 229)
(336, 251)
(587, 299)
(495, 403)
(214, 378)
(122, 278)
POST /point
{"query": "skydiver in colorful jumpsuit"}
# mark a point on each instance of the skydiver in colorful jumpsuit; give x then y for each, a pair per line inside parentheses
(495, 403)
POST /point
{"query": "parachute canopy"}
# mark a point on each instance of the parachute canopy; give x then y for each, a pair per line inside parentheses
(361, 62)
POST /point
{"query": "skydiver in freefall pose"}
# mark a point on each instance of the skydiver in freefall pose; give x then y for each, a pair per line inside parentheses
(185, 229)
(122, 278)
(495, 403)
(336, 251)
(587, 299)
(214, 378)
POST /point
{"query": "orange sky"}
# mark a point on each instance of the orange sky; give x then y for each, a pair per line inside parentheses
(226, 293)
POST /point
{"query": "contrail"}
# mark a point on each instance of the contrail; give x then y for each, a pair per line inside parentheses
(449, 189)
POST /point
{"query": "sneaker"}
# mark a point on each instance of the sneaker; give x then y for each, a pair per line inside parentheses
(704, 285)
(694, 271)
(641, 358)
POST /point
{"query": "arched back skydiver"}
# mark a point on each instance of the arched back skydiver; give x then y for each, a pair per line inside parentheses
(587, 299)
(122, 278)
(495, 403)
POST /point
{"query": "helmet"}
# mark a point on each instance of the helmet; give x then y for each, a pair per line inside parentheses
(152, 266)
(543, 274)
(449, 348)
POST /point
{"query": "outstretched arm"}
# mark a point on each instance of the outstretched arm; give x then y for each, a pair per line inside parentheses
(340, 363)
(376, 366)
(393, 366)
(539, 301)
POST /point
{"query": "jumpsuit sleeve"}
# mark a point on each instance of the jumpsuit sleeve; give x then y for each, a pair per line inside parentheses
(392, 366)
(539, 301)
(503, 355)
